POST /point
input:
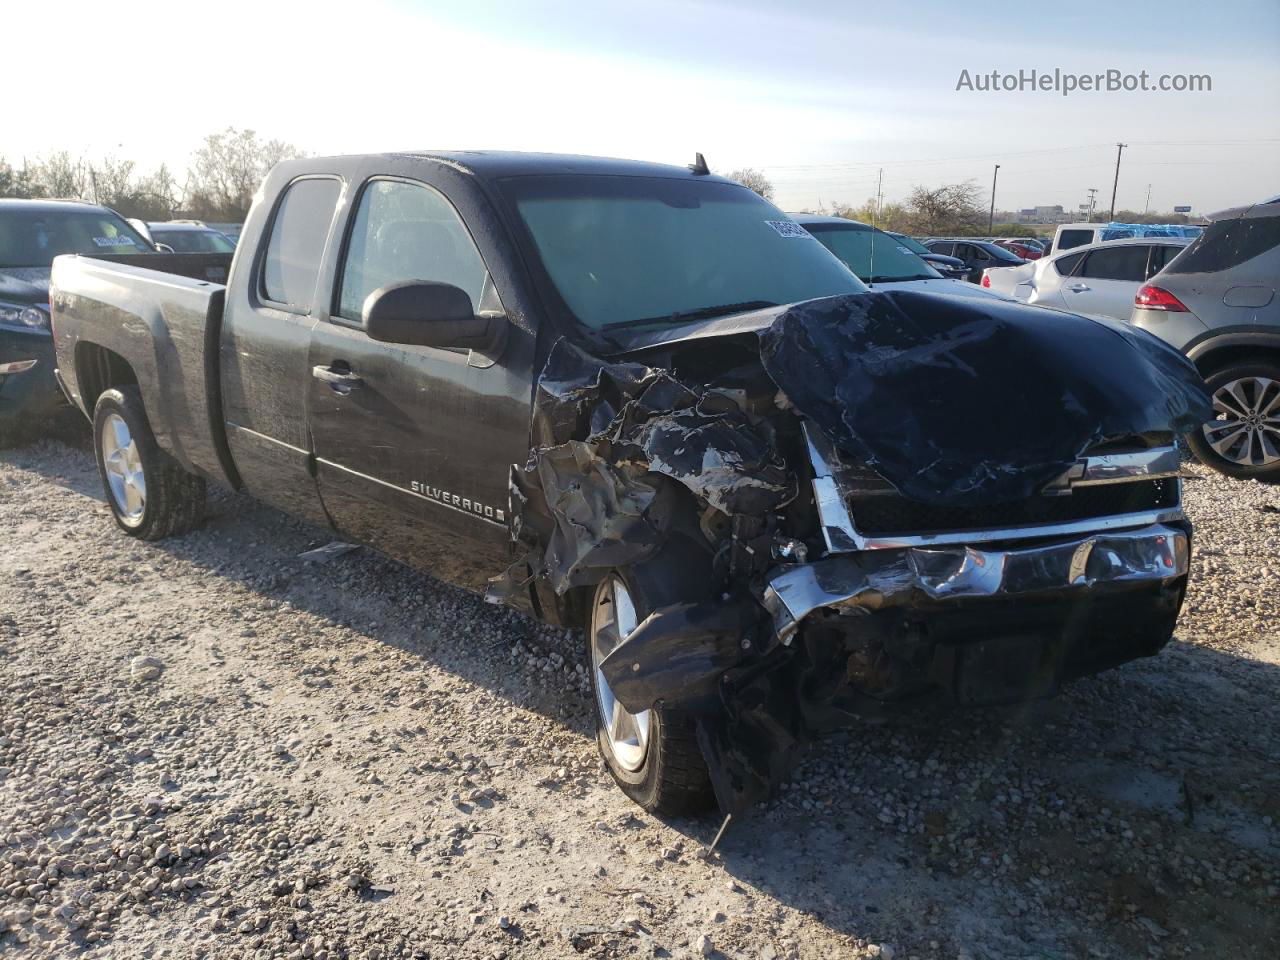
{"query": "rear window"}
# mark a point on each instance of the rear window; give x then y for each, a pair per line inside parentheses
(1118, 263)
(1228, 243)
(1074, 238)
(297, 240)
(33, 236)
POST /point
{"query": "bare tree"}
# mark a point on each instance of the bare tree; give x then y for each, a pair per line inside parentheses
(17, 182)
(952, 208)
(227, 170)
(886, 216)
(60, 176)
(753, 178)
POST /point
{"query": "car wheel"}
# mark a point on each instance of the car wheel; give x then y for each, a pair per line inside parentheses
(1244, 438)
(652, 755)
(150, 495)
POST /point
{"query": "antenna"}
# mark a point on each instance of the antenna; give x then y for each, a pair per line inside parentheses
(871, 270)
(699, 166)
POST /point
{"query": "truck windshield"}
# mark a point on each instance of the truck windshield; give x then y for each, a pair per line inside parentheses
(872, 254)
(33, 237)
(640, 251)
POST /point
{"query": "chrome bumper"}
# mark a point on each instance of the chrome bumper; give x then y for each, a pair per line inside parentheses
(865, 582)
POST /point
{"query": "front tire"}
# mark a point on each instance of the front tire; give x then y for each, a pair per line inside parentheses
(1244, 440)
(150, 495)
(653, 755)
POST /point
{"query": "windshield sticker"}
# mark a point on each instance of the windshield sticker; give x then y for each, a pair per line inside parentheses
(113, 241)
(788, 228)
(902, 249)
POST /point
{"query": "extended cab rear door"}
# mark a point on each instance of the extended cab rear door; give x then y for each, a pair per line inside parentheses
(266, 335)
(414, 445)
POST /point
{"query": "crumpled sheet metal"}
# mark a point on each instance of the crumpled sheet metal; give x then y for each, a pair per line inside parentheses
(601, 431)
(966, 402)
(878, 579)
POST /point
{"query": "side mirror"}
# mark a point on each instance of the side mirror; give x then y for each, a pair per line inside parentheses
(426, 314)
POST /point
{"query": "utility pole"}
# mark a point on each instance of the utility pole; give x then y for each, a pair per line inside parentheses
(991, 215)
(1093, 197)
(1147, 206)
(1116, 183)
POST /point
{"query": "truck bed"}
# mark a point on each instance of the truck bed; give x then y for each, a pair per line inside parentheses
(161, 315)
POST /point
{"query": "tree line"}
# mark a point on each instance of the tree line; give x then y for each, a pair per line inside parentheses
(219, 184)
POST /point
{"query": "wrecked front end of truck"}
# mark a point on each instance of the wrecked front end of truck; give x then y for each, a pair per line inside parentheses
(901, 497)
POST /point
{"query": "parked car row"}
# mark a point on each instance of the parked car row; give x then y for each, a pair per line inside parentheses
(32, 233)
(1212, 297)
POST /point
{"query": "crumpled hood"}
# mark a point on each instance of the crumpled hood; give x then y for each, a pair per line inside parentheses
(26, 285)
(964, 402)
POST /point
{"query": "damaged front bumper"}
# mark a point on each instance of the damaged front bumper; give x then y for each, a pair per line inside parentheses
(876, 580)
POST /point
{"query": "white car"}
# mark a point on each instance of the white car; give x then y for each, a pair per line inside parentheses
(1100, 279)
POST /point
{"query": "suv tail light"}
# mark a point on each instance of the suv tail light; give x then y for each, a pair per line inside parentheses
(986, 279)
(1151, 297)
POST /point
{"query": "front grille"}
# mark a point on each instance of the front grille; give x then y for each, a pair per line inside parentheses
(879, 515)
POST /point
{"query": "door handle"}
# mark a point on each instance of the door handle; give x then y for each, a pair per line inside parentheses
(341, 380)
(1077, 288)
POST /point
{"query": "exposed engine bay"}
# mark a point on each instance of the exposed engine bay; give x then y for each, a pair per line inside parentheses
(903, 495)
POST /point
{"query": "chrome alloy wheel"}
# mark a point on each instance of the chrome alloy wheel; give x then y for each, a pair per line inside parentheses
(612, 620)
(123, 467)
(1248, 431)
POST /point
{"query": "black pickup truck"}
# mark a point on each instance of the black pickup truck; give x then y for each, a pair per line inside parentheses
(641, 400)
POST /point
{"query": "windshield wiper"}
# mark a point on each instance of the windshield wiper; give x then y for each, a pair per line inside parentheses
(701, 313)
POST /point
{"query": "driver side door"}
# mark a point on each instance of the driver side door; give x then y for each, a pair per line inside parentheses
(414, 444)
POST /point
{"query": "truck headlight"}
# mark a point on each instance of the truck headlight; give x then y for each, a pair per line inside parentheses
(17, 315)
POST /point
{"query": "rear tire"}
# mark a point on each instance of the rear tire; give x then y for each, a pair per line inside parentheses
(1244, 442)
(665, 772)
(150, 495)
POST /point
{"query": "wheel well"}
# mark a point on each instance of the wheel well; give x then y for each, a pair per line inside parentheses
(99, 369)
(1229, 355)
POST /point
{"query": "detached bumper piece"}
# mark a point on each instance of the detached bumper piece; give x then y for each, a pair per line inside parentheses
(917, 576)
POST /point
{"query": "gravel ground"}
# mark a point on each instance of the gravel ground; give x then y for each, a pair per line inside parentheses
(211, 748)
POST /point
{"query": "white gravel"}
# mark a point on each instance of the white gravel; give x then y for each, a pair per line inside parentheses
(210, 748)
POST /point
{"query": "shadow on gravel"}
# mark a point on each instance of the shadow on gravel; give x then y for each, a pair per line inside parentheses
(1135, 815)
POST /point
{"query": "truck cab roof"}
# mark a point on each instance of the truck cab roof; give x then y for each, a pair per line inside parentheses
(498, 164)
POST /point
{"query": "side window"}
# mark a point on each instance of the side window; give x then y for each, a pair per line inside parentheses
(1074, 238)
(943, 248)
(1064, 265)
(1161, 254)
(297, 241)
(979, 253)
(406, 231)
(1117, 263)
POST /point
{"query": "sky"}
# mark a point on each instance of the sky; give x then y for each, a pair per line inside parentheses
(824, 96)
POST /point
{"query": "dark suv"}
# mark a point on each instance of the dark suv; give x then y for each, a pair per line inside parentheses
(978, 255)
(32, 233)
(1217, 303)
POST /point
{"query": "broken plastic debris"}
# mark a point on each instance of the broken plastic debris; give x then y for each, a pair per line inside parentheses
(328, 552)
